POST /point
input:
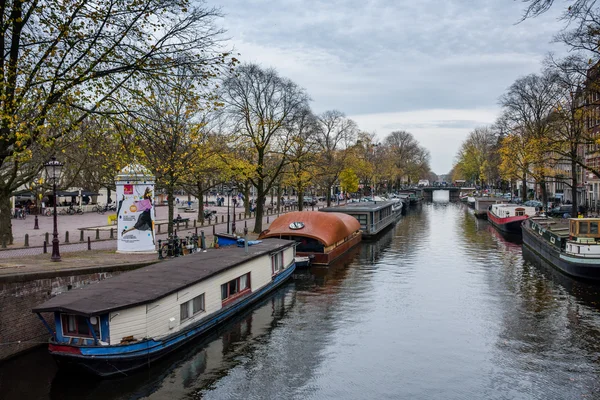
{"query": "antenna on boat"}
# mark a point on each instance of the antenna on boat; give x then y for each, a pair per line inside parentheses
(246, 239)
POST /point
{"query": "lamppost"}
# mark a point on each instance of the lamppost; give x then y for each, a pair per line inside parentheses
(229, 193)
(53, 170)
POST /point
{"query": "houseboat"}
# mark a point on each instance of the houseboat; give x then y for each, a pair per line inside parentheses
(483, 204)
(415, 196)
(131, 320)
(572, 246)
(373, 217)
(320, 237)
(508, 217)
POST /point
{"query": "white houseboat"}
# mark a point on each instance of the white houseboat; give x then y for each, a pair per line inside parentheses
(129, 321)
(508, 217)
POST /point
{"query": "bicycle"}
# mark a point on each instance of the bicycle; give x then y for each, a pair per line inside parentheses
(72, 211)
(20, 214)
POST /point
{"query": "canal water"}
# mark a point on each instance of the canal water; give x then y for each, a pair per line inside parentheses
(440, 307)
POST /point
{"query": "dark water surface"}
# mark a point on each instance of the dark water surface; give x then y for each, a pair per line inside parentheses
(441, 307)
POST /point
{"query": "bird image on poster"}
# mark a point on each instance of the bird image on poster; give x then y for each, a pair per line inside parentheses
(139, 211)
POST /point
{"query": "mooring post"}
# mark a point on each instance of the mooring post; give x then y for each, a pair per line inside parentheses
(45, 247)
(157, 228)
(26, 240)
(196, 231)
(47, 238)
(89, 243)
(194, 223)
(97, 234)
(202, 240)
(214, 230)
(112, 233)
(36, 225)
(67, 237)
(81, 239)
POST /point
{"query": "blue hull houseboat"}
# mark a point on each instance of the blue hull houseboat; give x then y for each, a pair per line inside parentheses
(373, 217)
(131, 320)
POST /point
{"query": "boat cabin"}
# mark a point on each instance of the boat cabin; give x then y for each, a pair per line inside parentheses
(164, 300)
(584, 236)
(321, 236)
(373, 217)
(512, 210)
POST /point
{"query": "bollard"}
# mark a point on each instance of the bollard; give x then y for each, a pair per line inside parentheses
(158, 228)
(47, 238)
(194, 223)
(67, 237)
(202, 240)
(89, 243)
(81, 239)
(112, 233)
(213, 230)
(222, 218)
(97, 234)
(45, 247)
(196, 229)
(26, 240)
(160, 254)
(36, 225)
(186, 224)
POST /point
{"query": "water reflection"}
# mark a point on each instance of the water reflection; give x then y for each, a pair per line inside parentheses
(441, 306)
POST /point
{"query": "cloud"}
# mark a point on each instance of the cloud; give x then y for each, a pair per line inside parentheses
(405, 58)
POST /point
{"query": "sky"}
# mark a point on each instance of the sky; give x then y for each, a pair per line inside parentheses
(435, 68)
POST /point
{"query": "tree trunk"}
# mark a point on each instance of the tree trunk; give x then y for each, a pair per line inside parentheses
(279, 195)
(300, 200)
(5, 221)
(544, 194)
(170, 203)
(260, 205)
(201, 207)
(247, 198)
(524, 187)
(573, 188)
(328, 195)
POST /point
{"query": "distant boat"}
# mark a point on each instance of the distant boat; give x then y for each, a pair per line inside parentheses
(508, 217)
(133, 319)
(320, 237)
(373, 216)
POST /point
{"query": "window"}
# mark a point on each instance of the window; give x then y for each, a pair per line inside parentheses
(76, 325)
(583, 227)
(277, 262)
(235, 287)
(594, 227)
(191, 307)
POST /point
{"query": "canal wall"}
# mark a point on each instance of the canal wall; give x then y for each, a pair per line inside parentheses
(20, 329)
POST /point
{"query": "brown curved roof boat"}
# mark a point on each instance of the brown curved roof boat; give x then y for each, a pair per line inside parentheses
(321, 236)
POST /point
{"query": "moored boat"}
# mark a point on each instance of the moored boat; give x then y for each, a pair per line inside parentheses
(483, 204)
(322, 237)
(373, 216)
(131, 320)
(572, 246)
(508, 217)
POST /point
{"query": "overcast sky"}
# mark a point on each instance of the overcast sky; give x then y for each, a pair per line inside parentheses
(432, 67)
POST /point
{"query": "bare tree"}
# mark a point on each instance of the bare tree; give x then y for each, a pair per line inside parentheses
(262, 107)
(335, 134)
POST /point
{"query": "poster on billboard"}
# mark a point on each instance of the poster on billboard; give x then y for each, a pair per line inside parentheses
(135, 217)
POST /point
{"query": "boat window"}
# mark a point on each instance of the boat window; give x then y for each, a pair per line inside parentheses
(594, 227)
(519, 213)
(277, 262)
(191, 307)
(583, 227)
(309, 245)
(235, 286)
(76, 325)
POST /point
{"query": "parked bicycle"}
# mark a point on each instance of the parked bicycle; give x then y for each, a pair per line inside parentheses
(72, 210)
(102, 209)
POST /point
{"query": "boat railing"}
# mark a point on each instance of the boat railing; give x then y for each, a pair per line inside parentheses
(375, 227)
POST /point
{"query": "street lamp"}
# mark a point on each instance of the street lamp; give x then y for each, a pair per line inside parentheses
(53, 170)
(229, 193)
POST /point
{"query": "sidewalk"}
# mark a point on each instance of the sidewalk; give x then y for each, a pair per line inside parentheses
(21, 261)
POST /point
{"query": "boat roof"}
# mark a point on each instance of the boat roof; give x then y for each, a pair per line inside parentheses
(328, 228)
(360, 206)
(148, 284)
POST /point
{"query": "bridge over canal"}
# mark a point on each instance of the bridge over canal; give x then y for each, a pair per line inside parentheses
(454, 191)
